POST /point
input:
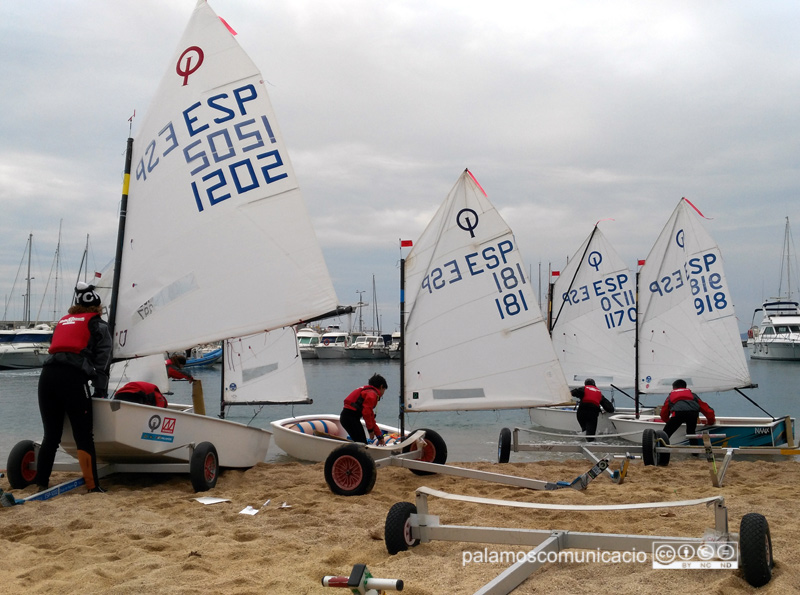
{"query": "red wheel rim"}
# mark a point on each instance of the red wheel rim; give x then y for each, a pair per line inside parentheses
(28, 474)
(428, 452)
(347, 472)
(210, 467)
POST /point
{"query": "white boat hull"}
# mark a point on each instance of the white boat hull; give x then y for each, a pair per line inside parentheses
(294, 435)
(131, 433)
(775, 350)
(14, 358)
(564, 419)
(332, 352)
(739, 431)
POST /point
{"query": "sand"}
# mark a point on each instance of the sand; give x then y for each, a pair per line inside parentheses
(148, 534)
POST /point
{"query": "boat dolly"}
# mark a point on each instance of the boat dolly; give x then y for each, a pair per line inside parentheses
(408, 525)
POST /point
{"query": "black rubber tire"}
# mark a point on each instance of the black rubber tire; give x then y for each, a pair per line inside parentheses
(651, 439)
(350, 471)
(755, 549)
(504, 446)
(649, 447)
(204, 467)
(397, 530)
(435, 451)
(19, 474)
(662, 458)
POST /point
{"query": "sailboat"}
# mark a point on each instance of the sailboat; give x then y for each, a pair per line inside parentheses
(777, 336)
(593, 321)
(25, 348)
(474, 337)
(208, 170)
(688, 330)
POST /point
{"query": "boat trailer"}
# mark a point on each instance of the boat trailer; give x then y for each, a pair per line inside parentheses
(407, 525)
(350, 470)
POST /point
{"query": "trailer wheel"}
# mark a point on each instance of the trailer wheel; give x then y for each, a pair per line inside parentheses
(755, 549)
(20, 475)
(397, 530)
(434, 451)
(650, 441)
(350, 471)
(204, 467)
(504, 446)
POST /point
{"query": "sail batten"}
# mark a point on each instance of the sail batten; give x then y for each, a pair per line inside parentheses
(218, 241)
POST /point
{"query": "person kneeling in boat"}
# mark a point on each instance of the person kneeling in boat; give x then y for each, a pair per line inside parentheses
(361, 403)
(589, 409)
(684, 407)
(175, 365)
(80, 351)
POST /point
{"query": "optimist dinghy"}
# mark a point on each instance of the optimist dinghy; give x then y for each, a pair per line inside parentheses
(208, 170)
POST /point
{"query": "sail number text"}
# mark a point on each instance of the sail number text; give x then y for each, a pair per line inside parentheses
(706, 286)
(506, 276)
(227, 151)
(617, 302)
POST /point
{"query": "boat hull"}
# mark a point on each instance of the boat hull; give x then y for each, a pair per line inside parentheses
(141, 434)
(738, 431)
(294, 435)
(332, 352)
(23, 358)
(775, 350)
(564, 419)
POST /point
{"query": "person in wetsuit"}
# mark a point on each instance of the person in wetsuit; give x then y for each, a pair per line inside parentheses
(589, 408)
(361, 403)
(80, 351)
(684, 407)
(175, 365)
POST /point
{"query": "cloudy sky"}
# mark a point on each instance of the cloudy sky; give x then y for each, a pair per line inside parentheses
(566, 112)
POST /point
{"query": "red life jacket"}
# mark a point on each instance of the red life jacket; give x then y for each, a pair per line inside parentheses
(141, 392)
(680, 394)
(72, 333)
(592, 395)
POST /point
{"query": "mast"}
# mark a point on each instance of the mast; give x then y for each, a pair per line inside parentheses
(123, 213)
(26, 313)
(402, 346)
(636, 349)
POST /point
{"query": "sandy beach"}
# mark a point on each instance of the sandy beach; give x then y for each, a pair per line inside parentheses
(148, 534)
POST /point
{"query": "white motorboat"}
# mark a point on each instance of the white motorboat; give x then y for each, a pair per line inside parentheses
(307, 341)
(333, 344)
(184, 193)
(25, 348)
(368, 347)
(777, 336)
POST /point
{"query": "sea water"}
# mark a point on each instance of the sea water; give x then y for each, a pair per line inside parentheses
(470, 436)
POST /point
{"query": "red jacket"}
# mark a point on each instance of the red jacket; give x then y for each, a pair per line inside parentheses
(363, 401)
(592, 396)
(683, 399)
(175, 373)
(141, 392)
(72, 333)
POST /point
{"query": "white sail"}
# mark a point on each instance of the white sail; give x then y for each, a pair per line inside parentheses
(264, 368)
(594, 316)
(474, 337)
(688, 326)
(218, 242)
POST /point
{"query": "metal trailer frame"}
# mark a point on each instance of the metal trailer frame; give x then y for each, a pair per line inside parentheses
(655, 450)
(350, 470)
(422, 527)
(661, 450)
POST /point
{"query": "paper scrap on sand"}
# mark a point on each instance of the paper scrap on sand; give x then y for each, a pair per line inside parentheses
(211, 500)
(249, 510)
